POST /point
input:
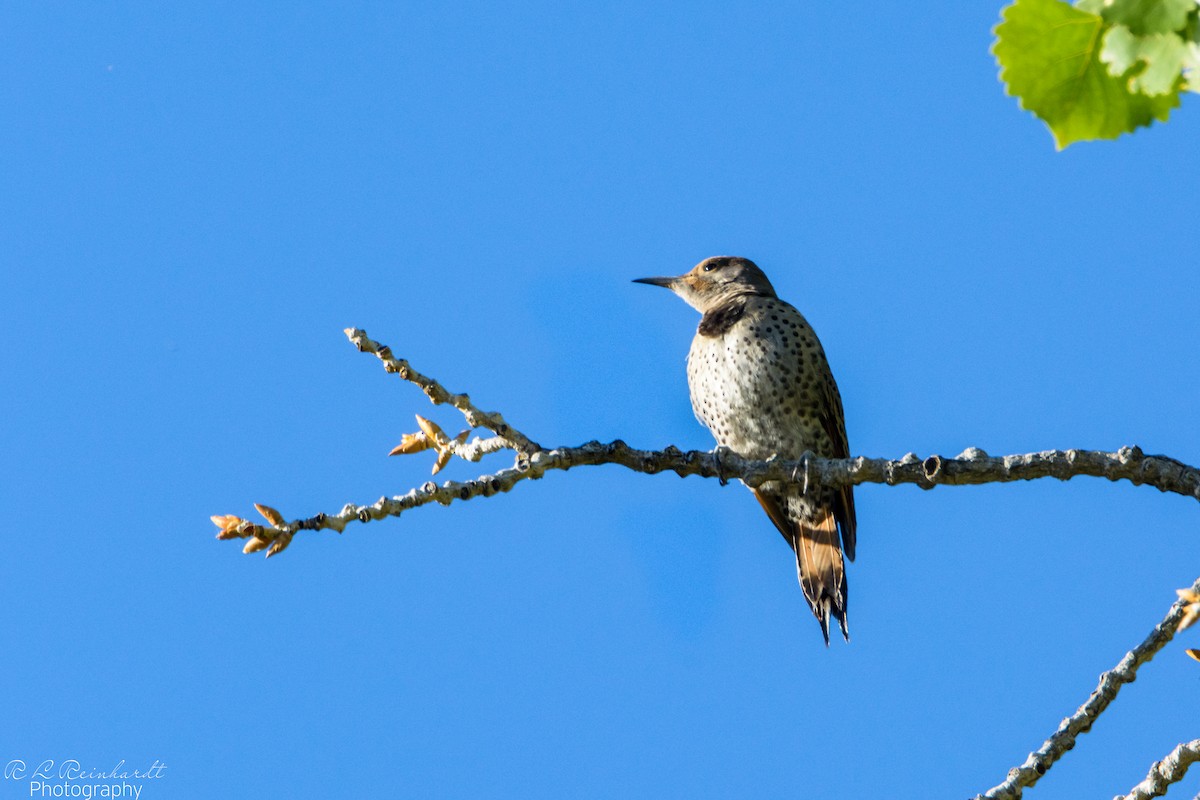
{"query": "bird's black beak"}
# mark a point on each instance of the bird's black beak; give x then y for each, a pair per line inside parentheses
(666, 283)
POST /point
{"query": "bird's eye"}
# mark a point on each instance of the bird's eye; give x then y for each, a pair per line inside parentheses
(709, 267)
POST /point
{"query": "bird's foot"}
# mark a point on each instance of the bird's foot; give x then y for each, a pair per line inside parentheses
(804, 464)
(718, 451)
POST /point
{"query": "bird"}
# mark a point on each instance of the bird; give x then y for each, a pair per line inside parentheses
(760, 382)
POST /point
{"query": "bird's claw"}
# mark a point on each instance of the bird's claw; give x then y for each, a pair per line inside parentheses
(805, 464)
(720, 465)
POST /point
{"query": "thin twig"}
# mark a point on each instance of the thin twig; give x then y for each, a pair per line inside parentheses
(438, 393)
(1166, 772)
(1063, 739)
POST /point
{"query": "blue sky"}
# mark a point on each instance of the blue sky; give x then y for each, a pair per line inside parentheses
(198, 200)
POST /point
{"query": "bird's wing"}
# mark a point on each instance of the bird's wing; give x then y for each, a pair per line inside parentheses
(833, 420)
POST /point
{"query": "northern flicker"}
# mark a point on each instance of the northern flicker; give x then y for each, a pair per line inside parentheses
(759, 381)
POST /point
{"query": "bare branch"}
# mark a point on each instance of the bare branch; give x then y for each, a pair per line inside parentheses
(972, 466)
(1063, 739)
(969, 468)
(438, 394)
(1166, 772)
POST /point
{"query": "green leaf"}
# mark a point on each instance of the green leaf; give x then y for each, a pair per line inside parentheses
(1191, 65)
(1149, 16)
(1163, 55)
(1049, 56)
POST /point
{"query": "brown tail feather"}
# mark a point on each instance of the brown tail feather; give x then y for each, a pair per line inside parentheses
(821, 570)
(819, 564)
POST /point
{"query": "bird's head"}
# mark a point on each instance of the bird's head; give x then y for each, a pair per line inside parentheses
(716, 280)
